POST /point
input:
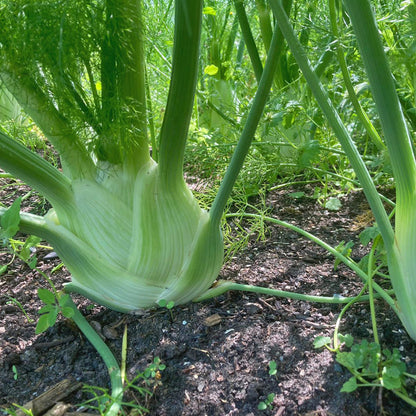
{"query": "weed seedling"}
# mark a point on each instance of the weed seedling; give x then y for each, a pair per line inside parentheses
(15, 374)
(267, 403)
(273, 368)
(144, 383)
(20, 306)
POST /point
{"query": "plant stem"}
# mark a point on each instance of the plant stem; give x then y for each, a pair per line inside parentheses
(405, 398)
(248, 39)
(370, 275)
(265, 24)
(75, 159)
(400, 251)
(106, 355)
(34, 171)
(123, 115)
(341, 314)
(132, 82)
(372, 132)
(174, 131)
(224, 286)
(249, 130)
(335, 122)
(351, 264)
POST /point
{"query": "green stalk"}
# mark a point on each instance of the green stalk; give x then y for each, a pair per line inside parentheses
(335, 122)
(248, 39)
(265, 24)
(397, 136)
(150, 118)
(224, 286)
(132, 83)
(372, 132)
(401, 251)
(107, 356)
(231, 40)
(349, 263)
(370, 275)
(249, 130)
(174, 131)
(35, 171)
(342, 313)
(124, 133)
(75, 159)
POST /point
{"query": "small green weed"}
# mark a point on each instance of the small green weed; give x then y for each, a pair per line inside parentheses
(369, 365)
(55, 303)
(272, 368)
(17, 410)
(15, 374)
(372, 367)
(141, 389)
(20, 306)
(267, 403)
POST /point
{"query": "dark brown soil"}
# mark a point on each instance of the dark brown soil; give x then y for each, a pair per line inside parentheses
(220, 369)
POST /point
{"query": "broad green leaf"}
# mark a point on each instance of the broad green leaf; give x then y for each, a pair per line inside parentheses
(272, 368)
(349, 386)
(391, 378)
(391, 383)
(53, 316)
(321, 341)
(3, 269)
(32, 262)
(345, 249)
(262, 406)
(46, 309)
(369, 234)
(10, 220)
(211, 70)
(346, 359)
(309, 153)
(67, 312)
(347, 339)
(43, 324)
(162, 367)
(297, 195)
(32, 241)
(333, 204)
(209, 11)
(46, 296)
(270, 397)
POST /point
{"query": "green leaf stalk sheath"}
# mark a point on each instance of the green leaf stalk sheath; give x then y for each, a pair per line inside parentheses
(248, 39)
(372, 132)
(400, 244)
(249, 130)
(401, 251)
(107, 356)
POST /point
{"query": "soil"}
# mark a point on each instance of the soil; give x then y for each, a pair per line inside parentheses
(217, 352)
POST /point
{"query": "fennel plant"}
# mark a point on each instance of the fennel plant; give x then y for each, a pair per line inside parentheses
(128, 229)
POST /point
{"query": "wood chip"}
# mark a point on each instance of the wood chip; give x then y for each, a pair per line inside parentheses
(52, 396)
(212, 320)
(110, 333)
(58, 410)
